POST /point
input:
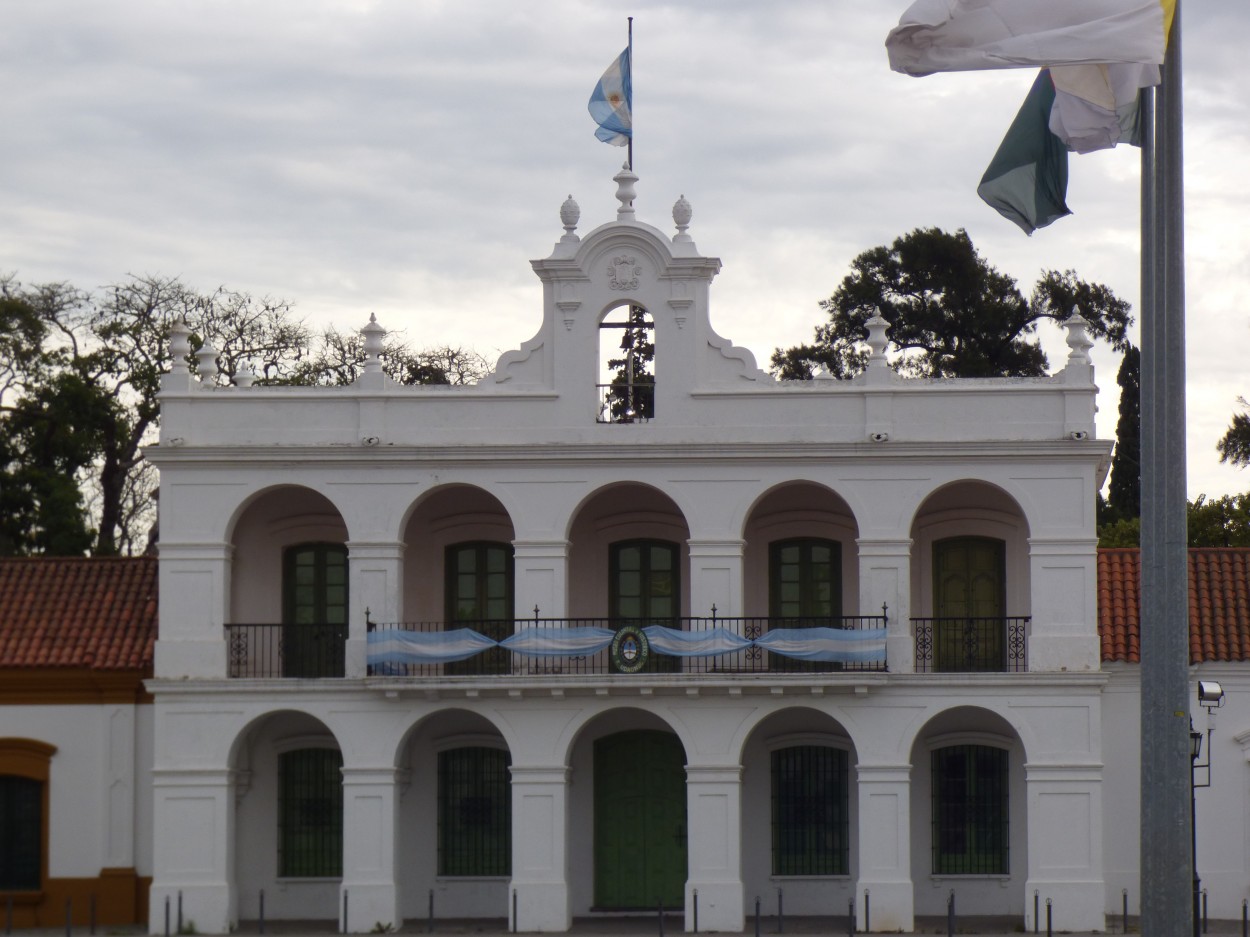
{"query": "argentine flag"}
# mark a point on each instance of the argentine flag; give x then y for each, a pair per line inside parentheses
(611, 103)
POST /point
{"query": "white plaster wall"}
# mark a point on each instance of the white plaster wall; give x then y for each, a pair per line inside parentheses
(99, 784)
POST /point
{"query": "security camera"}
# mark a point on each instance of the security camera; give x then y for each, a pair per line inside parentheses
(1210, 694)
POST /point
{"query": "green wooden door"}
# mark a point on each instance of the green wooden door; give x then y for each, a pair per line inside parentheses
(640, 821)
(644, 588)
(314, 615)
(969, 599)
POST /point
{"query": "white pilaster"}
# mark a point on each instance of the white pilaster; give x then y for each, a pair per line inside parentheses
(541, 575)
(194, 596)
(1063, 634)
(539, 893)
(193, 850)
(714, 880)
(716, 577)
(375, 571)
(369, 849)
(1065, 846)
(885, 847)
(885, 579)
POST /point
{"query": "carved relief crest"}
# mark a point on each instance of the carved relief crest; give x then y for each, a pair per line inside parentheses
(623, 272)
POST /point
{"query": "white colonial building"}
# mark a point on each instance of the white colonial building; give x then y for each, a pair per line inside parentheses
(580, 640)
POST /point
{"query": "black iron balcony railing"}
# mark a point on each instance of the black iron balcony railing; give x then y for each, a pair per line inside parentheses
(749, 659)
(315, 650)
(971, 645)
(620, 403)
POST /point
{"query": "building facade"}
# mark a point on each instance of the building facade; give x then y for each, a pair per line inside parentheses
(590, 638)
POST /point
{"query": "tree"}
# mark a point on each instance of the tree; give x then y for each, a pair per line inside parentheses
(1219, 522)
(951, 314)
(79, 378)
(1124, 493)
(1235, 446)
(633, 384)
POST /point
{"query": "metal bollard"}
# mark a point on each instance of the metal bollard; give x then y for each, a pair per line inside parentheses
(696, 910)
(1245, 917)
(167, 916)
(180, 910)
(262, 910)
(950, 915)
(344, 911)
(850, 918)
(1204, 910)
(1124, 895)
(69, 917)
(514, 924)
(429, 914)
(1049, 931)
(867, 914)
(1036, 909)
(781, 912)
(660, 915)
(757, 916)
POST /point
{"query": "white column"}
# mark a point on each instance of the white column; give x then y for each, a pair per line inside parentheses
(885, 579)
(194, 599)
(885, 847)
(369, 849)
(541, 577)
(375, 571)
(193, 850)
(716, 578)
(539, 892)
(1065, 846)
(714, 844)
(1063, 634)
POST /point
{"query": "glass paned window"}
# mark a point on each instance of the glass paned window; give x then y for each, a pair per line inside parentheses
(970, 819)
(804, 591)
(310, 812)
(809, 811)
(21, 833)
(969, 597)
(474, 812)
(314, 610)
(479, 578)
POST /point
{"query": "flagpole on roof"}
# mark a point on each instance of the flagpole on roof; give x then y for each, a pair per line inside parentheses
(1167, 905)
(630, 154)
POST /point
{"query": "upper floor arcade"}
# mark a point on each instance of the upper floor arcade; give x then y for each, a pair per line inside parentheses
(628, 467)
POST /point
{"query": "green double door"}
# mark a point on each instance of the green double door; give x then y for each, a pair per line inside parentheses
(640, 821)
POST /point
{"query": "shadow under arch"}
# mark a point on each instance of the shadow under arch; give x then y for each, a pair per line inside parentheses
(801, 515)
(799, 810)
(287, 824)
(627, 784)
(969, 812)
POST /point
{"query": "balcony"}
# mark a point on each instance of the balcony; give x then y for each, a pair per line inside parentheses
(296, 651)
(971, 645)
(594, 646)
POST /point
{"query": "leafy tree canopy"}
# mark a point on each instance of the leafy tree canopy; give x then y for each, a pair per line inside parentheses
(951, 314)
(79, 378)
(1215, 522)
(1235, 446)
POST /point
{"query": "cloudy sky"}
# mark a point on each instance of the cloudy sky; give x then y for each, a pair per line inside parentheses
(409, 158)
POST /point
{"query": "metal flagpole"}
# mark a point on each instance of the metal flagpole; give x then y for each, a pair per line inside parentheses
(1166, 820)
(630, 154)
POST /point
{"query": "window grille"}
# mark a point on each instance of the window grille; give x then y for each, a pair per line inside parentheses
(311, 813)
(21, 833)
(810, 815)
(474, 812)
(970, 818)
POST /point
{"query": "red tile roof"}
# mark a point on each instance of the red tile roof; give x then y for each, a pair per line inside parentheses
(92, 613)
(1219, 604)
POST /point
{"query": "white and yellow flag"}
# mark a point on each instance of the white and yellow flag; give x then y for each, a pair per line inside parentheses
(966, 35)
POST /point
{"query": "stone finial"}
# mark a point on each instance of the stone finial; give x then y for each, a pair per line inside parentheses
(244, 376)
(206, 357)
(1078, 339)
(877, 341)
(625, 193)
(570, 214)
(373, 334)
(179, 347)
(682, 213)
